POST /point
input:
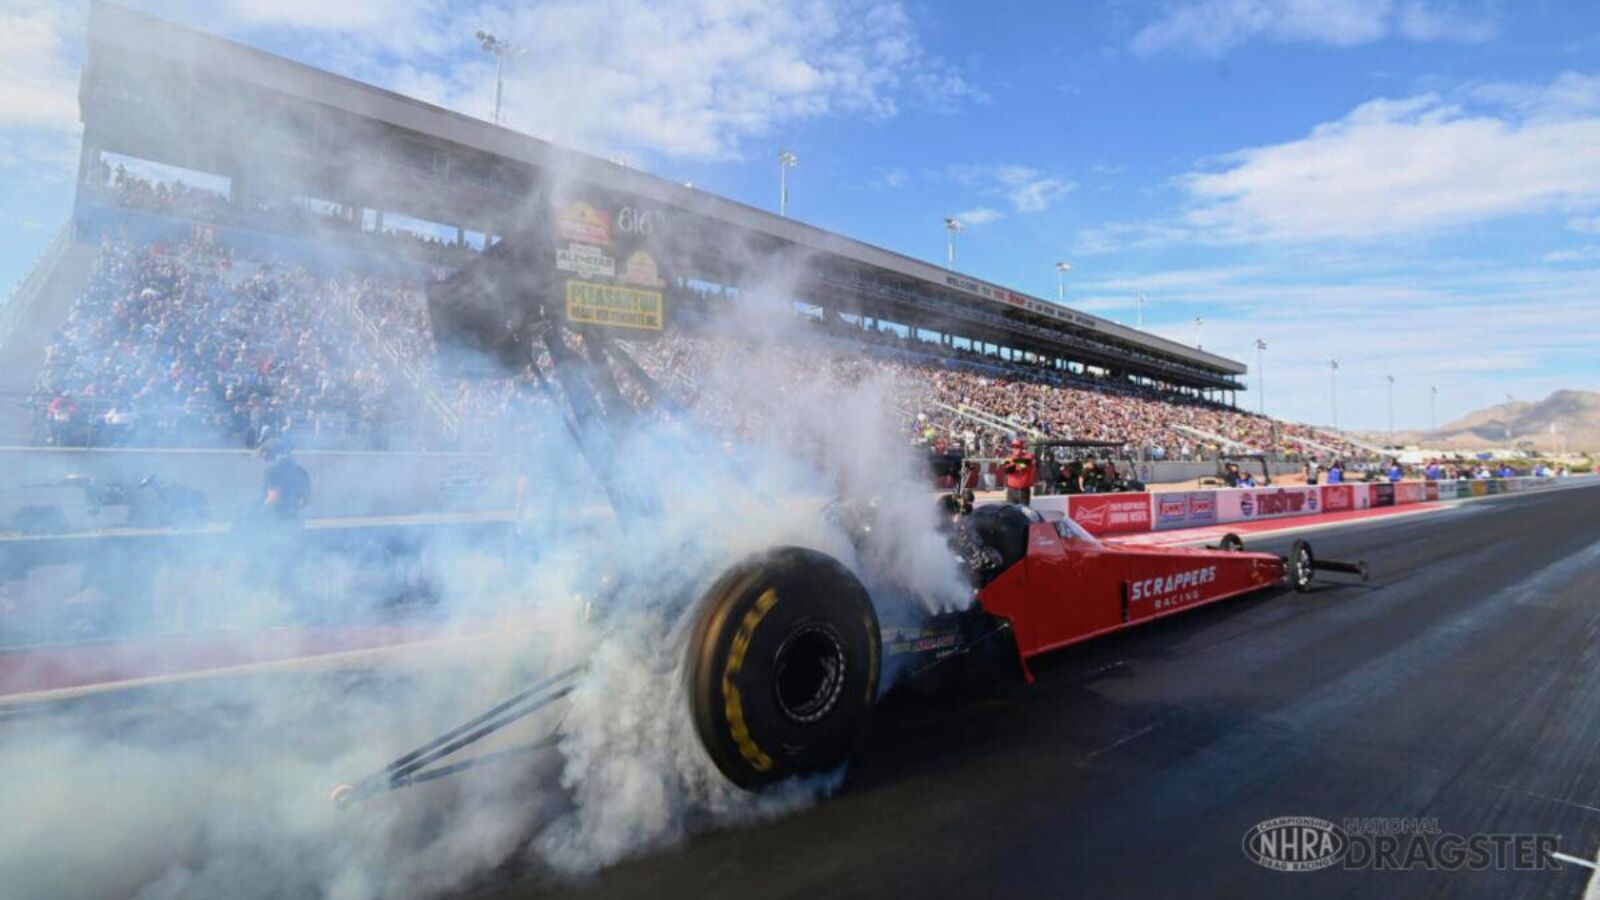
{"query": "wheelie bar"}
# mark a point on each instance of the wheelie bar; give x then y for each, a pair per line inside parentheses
(409, 769)
(1339, 565)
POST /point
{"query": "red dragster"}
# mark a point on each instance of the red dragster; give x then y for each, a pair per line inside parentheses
(785, 649)
(1053, 584)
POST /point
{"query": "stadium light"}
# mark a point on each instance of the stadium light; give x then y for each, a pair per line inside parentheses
(1391, 409)
(1140, 326)
(786, 161)
(1261, 372)
(953, 226)
(1333, 382)
(1199, 323)
(501, 49)
(1061, 284)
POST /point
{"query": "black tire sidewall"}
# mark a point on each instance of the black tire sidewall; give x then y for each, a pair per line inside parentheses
(807, 590)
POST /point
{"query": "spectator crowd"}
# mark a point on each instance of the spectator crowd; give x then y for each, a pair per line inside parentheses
(182, 344)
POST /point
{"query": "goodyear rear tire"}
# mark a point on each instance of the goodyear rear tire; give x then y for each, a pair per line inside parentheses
(783, 667)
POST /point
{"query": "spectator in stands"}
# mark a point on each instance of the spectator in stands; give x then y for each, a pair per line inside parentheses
(1312, 469)
(1247, 480)
(1020, 473)
(1230, 475)
(63, 415)
(1433, 471)
(1336, 472)
(1394, 471)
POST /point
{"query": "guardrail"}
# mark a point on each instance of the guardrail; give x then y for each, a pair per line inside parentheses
(1132, 513)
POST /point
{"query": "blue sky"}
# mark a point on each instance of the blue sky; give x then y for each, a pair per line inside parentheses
(1410, 186)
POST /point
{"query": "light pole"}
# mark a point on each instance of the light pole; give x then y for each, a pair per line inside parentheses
(953, 226)
(1199, 323)
(1261, 373)
(1140, 326)
(501, 49)
(1391, 409)
(1061, 283)
(1333, 382)
(786, 161)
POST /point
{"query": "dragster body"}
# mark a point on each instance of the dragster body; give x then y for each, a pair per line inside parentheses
(1068, 586)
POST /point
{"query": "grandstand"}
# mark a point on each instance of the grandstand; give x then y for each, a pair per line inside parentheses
(211, 286)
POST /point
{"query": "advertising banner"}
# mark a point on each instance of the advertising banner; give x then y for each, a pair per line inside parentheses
(1493, 485)
(1382, 494)
(1478, 488)
(1184, 510)
(1430, 491)
(1408, 492)
(1110, 513)
(1267, 503)
(1513, 485)
(1338, 497)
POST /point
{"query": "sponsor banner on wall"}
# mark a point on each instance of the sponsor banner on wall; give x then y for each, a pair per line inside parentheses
(1267, 503)
(1382, 493)
(582, 223)
(1494, 485)
(1338, 497)
(585, 261)
(1408, 492)
(1513, 485)
(1478, 488)
(641, 269)
(1430, 491)
(1183, 510)
(1110, 513)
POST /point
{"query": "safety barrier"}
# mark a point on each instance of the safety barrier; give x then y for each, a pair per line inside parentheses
(1113, 514)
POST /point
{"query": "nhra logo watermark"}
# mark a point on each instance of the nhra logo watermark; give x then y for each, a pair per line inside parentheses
(1307, 843)
(1295, 843)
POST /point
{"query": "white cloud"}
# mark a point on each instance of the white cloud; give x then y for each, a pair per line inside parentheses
(1582, 225)
(980, 216)
(1586, 253)
(1028, 190)
(1406, 166)
(895, 178)
(38, 81)
(693, 79)
(1210, 28)
(697, 78)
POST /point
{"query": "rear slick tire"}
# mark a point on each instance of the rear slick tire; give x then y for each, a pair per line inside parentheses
(783, 667)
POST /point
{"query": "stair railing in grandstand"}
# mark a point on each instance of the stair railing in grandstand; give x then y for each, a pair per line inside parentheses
(1228, 445)
(986, 420)
(32, 284)
(447, 417)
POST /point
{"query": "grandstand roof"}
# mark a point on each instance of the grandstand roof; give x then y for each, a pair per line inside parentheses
(162, 92)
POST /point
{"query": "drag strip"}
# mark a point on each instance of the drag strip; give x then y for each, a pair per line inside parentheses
(1460, 687)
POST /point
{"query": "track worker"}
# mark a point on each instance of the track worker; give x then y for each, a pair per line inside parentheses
(285, 486)
(1020, 473)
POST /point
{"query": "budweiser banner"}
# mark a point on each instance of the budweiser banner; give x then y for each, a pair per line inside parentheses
(1110, 513)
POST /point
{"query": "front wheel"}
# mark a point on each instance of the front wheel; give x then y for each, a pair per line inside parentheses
(1301, 566)
(783, 667)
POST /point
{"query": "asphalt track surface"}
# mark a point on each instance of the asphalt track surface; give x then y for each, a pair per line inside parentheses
(1461, 684)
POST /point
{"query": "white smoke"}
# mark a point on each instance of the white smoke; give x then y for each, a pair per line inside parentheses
(221, 789)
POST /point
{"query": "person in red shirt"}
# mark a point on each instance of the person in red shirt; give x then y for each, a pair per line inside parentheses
(1020, 473)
